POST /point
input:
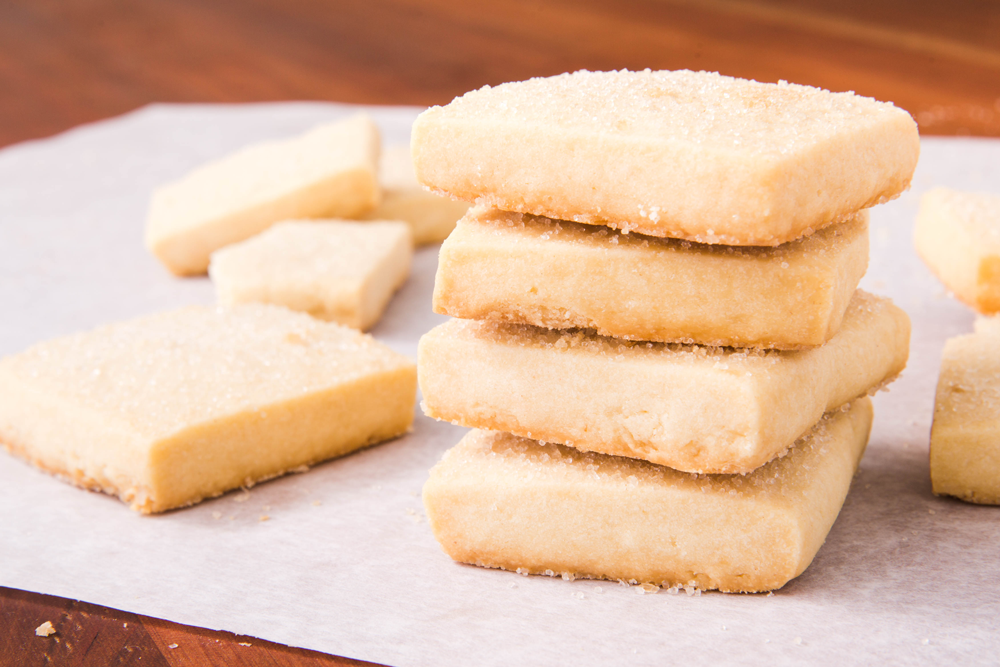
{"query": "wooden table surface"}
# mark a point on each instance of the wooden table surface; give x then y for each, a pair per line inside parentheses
(66, 62)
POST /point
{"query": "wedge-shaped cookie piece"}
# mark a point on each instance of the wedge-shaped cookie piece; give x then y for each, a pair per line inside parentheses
(698, 409)
(965, 436)
(958, 235)
(512, 267)
(173, 408)
(497, 500)
(430, 216)
(330, 171)
(341, 271)
(691, 155)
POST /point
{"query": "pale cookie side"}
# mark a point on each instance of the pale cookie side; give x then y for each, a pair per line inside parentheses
(965, 435)
(697, 409)
(957, 234)
(511, 267)
(496, 500)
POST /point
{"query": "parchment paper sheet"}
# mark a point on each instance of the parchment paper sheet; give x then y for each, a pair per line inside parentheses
(904, 577)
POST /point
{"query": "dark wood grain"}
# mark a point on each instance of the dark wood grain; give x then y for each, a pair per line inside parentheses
(67, 62)
(90, 635)
(64, 62)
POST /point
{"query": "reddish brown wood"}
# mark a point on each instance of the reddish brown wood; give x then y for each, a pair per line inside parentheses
(63, 63)
(88, 635)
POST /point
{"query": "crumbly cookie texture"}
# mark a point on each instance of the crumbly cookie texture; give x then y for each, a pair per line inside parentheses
(330, 171)
(693, 408)
(340, 271)
(169, 409)
(958, 235)
(691, 155)
(431, 216)
(497, 500)
(965, 436)
(513, 267)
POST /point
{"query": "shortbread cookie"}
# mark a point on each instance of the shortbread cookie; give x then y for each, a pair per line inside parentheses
(691, 155)
(340, 271)
(330, 171)
(965, 437)
(958, 236)
(987, 324)
(513, 267)
(698, 409)
(169, 409)
(430, 216)
(497, 500)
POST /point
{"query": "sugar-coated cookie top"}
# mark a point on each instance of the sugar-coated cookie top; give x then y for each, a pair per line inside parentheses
(310, 251)
(705, 108)
(165, 372)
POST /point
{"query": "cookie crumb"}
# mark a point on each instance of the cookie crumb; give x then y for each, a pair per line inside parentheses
(45, 629)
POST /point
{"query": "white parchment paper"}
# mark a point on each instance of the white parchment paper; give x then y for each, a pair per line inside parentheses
(347, 565)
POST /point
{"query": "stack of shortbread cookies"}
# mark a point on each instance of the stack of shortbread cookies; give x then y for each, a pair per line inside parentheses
(660, 336)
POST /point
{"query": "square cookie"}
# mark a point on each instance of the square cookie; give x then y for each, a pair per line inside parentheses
(513, 267)
(169, 409)
(330, 171)
(691, 155)
(340, 271)
(965, 435)
(693, 408)
(496, 500)
(958, 236)
(431, 216)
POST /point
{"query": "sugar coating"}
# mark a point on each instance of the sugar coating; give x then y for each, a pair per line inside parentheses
(691, 155)
(169, 409)
(330, 171)
(958, 235)
(965, 435)
(336, 270)
(496, 500)
(693, 408)
(513, 267)
(430, 216)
